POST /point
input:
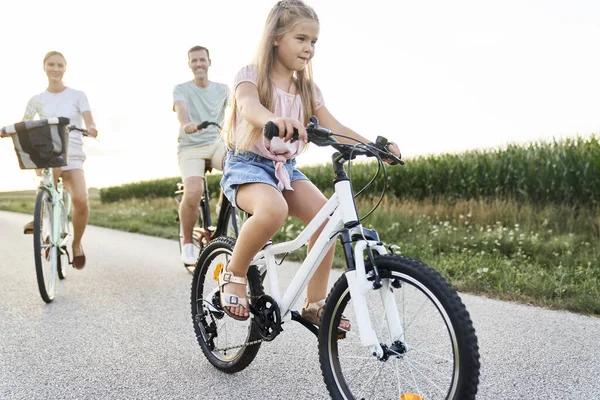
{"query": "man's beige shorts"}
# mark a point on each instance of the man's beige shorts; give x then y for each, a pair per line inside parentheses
(191, 161)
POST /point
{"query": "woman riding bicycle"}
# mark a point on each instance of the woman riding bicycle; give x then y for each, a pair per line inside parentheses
(259, 176)
(59, 100)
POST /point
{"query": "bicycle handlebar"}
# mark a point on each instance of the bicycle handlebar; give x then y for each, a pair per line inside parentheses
(22, 126)
(83, 131)
(322, 137)
(206, 124)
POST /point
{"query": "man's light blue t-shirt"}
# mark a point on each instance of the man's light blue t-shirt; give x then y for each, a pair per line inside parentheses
(203, 104)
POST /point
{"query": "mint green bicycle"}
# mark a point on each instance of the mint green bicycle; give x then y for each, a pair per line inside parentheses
(43, 144)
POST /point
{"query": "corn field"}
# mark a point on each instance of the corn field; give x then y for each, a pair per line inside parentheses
(557, 172)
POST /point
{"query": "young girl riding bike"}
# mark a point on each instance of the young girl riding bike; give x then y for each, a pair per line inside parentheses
(260, 176)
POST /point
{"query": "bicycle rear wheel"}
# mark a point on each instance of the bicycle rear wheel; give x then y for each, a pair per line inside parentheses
(45, 253)
(66, 231)
(436, 357)
(228, 344)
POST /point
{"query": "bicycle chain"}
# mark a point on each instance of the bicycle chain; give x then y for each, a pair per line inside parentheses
(241, 345)
(252, 343)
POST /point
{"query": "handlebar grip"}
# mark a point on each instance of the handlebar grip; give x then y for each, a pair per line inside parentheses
(271, 130)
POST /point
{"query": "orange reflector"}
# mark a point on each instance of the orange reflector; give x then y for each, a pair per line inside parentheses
(217, 271)
(411, 396)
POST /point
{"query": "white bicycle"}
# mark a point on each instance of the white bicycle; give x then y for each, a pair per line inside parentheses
(411, 336)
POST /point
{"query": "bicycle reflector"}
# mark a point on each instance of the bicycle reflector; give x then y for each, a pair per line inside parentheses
(217, 271)
(411, 396)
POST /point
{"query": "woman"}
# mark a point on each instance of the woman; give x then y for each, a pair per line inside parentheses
(60, 101)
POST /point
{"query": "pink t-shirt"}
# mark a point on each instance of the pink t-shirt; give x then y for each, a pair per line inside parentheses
(284, 105)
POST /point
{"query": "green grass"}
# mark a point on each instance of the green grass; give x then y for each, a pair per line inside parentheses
(548, 256)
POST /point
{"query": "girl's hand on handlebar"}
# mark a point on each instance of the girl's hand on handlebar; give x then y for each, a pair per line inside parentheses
(394, 149)
(286, 129)
(190, 128)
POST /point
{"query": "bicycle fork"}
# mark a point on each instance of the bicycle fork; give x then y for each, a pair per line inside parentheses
(359, 287)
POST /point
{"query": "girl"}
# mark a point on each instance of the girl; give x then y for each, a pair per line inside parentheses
(260, 176)
(60, 101)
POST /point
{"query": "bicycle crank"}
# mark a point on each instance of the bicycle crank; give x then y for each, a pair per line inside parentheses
(267, 317)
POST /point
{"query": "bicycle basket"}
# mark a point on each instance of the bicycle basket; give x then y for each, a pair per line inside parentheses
(41, 144)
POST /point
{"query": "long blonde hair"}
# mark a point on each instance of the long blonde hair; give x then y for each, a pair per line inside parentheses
(283, 17)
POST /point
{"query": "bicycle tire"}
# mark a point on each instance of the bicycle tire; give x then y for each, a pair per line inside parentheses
(414, 279)
(205, 317)
(65, 229)
(227, 228)
(45, 254)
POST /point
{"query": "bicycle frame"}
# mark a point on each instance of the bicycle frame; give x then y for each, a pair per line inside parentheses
(226, 207)
(341, 216)
(56, 195)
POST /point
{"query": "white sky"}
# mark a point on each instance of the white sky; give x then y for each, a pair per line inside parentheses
(433, 75)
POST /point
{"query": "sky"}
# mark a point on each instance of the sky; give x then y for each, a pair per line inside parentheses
(434, 76)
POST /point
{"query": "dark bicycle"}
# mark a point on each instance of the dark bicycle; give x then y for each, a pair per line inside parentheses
(229, 219)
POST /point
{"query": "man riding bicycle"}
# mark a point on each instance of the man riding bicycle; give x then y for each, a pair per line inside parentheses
(194, 102)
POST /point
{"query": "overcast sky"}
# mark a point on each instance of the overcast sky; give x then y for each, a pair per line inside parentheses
(435, 76)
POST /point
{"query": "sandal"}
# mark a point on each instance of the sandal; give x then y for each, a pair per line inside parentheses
(230, 299)
(313, 312)
(79, 261)
(28, 228)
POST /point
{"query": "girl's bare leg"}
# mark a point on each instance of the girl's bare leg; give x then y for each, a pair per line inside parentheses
(269, 211)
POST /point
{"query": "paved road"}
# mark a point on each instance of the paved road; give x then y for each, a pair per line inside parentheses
(121, 329)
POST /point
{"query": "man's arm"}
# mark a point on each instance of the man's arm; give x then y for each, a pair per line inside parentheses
(183, 117)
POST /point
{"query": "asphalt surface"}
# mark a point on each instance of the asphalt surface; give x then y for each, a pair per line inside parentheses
(121, 329)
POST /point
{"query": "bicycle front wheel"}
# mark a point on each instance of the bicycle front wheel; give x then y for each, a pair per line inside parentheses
(45, 252)
(435, 357)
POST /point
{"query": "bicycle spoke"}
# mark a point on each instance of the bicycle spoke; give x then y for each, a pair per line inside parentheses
(423, 366)
(413, 350)
(371, 378)
(398, 380)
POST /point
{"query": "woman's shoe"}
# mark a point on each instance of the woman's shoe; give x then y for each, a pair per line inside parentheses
(79, 261)
(28, 228)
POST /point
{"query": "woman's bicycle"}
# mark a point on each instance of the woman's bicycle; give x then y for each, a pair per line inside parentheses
(43, 144)
(411, 336)
(229, 219)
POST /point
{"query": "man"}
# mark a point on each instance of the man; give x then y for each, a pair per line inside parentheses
(194, 102)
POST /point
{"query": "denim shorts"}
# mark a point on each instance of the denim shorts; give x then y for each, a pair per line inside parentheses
(250, 167)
